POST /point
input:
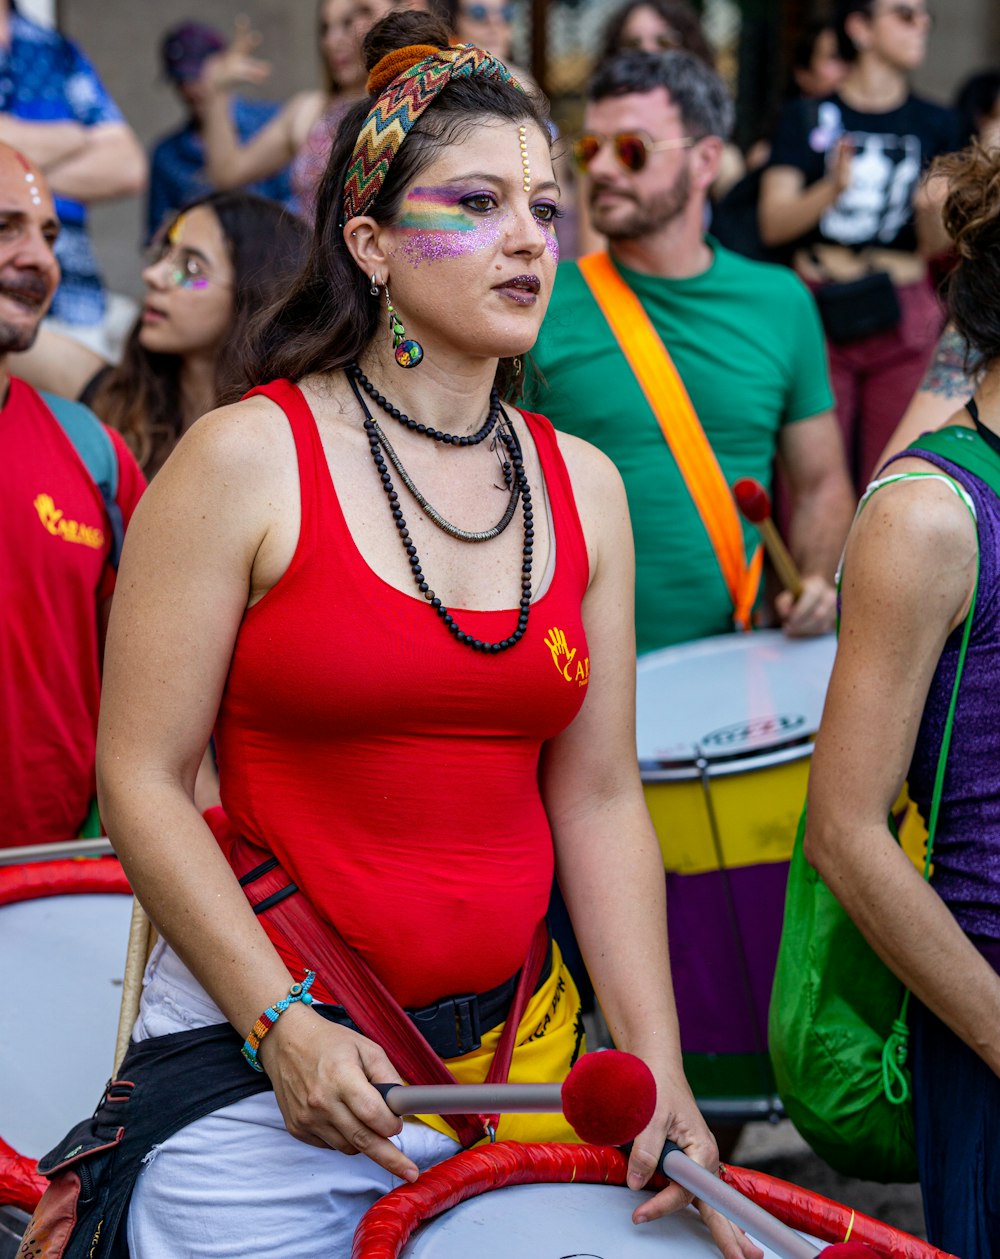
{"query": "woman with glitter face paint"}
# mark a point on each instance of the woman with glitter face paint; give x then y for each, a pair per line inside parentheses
(404, 607)
(207, 272)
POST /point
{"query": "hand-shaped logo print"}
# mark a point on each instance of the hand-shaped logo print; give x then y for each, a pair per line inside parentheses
(565, 659)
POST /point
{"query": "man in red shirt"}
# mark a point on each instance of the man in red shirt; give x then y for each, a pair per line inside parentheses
(56, 536)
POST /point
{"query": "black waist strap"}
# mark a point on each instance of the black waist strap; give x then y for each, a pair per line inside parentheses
(455, 1025)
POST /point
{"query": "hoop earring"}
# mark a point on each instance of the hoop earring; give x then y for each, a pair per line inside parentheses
(407, 351)
(373, 288)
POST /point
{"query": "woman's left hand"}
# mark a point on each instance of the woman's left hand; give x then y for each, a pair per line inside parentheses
(678, 1119)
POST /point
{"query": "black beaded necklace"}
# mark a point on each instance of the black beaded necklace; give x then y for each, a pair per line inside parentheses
(454, 531)
(519, 486)
(452, 439)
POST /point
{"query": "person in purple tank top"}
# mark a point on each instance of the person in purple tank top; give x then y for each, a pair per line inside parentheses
(909, 576)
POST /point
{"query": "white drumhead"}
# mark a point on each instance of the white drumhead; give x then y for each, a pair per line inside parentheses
(731, 696)
(560, 1222)
(60, 991)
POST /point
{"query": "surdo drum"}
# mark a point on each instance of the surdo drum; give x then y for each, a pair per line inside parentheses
(725, 730)
(64, 928)
(553, 1201)
(560, 1222)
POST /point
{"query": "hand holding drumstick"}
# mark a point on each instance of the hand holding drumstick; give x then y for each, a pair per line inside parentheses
(807, 604)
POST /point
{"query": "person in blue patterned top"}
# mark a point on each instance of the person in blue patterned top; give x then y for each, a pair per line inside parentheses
(178, 159)
(55, 109)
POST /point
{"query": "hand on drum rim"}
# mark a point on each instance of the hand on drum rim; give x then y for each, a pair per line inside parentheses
(685, 1126)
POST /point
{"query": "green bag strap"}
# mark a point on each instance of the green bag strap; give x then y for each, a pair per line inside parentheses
(97, 453)
(964, 447)
(895, 1081)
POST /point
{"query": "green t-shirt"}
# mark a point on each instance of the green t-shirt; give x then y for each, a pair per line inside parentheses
(746, 339)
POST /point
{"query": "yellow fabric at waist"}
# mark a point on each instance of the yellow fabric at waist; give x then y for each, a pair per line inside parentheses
(549, 1041)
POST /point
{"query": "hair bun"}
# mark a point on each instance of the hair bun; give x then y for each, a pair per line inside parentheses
(394, 63)
(406, 35)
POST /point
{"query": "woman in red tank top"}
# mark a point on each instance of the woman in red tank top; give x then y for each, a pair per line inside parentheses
(405, 609)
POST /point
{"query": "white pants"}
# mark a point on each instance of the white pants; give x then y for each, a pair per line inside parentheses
(235, 1182)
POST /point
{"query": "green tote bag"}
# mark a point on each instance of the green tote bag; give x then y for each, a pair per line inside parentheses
(837, 1026)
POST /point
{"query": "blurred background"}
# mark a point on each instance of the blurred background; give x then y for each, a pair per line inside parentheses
(753, 41)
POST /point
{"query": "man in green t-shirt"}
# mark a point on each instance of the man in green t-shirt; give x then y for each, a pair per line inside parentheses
(746, 341)
(744, 336)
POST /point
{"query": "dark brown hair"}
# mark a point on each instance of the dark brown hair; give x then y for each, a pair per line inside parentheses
(677, 14)
(846, 46)
(328, 317)
(972, 218)
(141, 395)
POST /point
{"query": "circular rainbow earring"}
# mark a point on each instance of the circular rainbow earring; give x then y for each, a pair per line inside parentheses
(407, 351)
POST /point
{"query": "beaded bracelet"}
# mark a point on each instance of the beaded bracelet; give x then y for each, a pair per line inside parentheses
(297, 992)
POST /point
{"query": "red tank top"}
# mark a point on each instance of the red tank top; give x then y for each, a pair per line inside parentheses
(392, 770)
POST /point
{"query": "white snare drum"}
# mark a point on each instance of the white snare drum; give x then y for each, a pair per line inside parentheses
(560, 1222)
(63, 936)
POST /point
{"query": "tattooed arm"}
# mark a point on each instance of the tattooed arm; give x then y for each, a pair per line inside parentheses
(949, 382)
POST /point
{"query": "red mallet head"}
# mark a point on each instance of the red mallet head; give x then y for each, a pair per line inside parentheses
(752, 500)
(848, 1250)
(609, 1097)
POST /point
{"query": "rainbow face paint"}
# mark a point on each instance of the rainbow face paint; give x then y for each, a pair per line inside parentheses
(438, 226)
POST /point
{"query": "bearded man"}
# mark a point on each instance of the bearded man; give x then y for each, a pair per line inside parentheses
(744, 338)
(68, 486)
(692, 367)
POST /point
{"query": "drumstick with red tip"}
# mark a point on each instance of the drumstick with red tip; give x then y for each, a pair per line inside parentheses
(754, 503)
(760, 1224)
(608, 1098)
(708, 1188)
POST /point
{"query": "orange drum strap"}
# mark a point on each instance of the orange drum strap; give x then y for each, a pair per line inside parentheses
(668, 399)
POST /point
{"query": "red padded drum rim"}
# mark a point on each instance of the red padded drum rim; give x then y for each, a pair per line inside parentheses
(20, 1182)
(389, 1224)
(65, 876)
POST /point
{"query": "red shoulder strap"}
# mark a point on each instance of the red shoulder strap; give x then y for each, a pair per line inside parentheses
(363, 995)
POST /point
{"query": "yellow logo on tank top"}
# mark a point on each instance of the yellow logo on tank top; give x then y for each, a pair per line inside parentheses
(565, 658)
(55, 522)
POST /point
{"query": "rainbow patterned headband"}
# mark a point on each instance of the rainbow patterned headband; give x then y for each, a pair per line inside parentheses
(399, 106)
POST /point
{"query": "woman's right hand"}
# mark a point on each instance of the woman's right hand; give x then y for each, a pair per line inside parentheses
(322, 1076)
(236, 65)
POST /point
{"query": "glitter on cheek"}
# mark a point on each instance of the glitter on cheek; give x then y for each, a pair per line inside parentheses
(552, 246)
(198, 282)
(438, 246)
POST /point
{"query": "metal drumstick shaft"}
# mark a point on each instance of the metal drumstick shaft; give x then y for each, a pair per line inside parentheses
(729, 1202)
(52, 852)
(475, 1099)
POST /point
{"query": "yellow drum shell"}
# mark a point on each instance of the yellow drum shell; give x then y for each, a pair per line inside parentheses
(756, 814)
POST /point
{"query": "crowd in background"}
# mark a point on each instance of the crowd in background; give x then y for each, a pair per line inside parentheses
(798, 196)
(822, 364)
